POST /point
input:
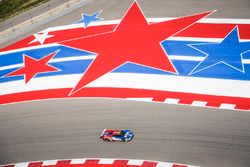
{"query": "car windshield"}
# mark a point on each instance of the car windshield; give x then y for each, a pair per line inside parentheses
(120, 134)
(123, 133)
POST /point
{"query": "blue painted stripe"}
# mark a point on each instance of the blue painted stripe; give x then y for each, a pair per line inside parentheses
(181, 48)
(17, 57)
(184, 67)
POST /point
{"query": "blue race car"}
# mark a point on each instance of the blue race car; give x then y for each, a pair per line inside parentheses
(110, 135)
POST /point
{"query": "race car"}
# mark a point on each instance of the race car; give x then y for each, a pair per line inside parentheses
(110, 135)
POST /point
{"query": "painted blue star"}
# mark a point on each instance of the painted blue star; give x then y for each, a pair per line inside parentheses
(228, 52)
(87, 19)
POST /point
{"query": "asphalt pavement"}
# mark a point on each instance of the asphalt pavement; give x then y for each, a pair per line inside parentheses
(31, 13)
(64, 129)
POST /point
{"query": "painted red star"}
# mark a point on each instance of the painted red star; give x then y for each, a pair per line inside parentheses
(32, 67)
(133, 40)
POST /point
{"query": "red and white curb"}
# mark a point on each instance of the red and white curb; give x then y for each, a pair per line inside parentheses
(92, 162)
(195, 103)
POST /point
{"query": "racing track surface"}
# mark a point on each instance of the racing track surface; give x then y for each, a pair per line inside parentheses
(61, 129)
(58, 129)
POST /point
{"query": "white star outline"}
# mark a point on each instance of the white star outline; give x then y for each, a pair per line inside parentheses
(220, 62)
(41, 37)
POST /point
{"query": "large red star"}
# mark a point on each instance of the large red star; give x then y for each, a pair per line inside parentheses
(133, 40)
(33, 67)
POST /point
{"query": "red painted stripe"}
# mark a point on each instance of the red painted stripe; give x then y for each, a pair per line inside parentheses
(61, 35)
(8, 166)
(78, 33)
(200, 30)
(206, 30)
(149, 164)
(20, 44)
(185, 98)
(62, 163)
(91, 162)
(35, 164)
(175, 165)
(120, 162)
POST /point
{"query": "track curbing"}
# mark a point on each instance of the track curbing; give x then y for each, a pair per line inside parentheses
(97, 162)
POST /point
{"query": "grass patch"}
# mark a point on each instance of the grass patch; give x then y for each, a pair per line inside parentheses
(10, 8)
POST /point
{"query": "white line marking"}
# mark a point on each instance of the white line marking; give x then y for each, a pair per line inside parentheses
(24, 164)
(199, 103)
(194, 39)
(227, 106)
(106, 161)
(135, 162)
(246, 61)
(186, 58)
(172, 101)
(11, 66)
(49, 162)
(29, 48)
(140, 99)
(72, 58)
(222, 20)
(78, 161)
(197, 39)
(164, 164)
(209, 86)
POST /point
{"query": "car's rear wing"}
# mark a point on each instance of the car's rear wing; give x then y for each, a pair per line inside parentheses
(102, 133)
